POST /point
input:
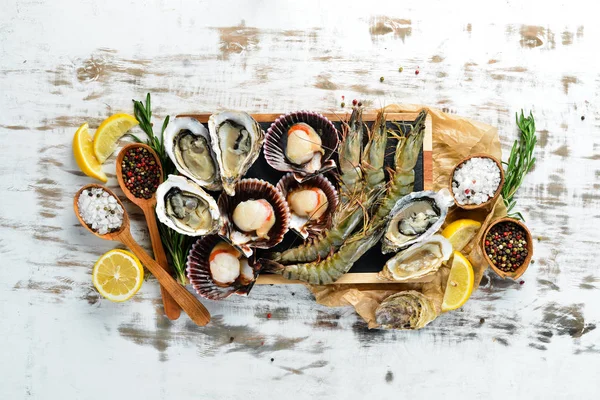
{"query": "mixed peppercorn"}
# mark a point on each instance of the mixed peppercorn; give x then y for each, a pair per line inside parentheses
(141, 172)
(506, 246)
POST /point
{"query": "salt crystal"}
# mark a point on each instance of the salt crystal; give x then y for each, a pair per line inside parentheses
(101, 211)
(476, 181)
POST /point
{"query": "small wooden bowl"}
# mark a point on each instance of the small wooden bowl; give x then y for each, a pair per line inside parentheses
(521, 270)
(491, 200)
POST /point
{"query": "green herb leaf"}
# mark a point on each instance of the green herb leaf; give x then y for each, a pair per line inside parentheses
(176, 244)
(520, 161)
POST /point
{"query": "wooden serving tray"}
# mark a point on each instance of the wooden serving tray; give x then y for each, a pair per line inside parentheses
(366, 269)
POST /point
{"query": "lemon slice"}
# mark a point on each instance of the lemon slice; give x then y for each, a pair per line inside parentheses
(84, 154)
(460, 283)
(461, 232)
(109, 132)
(118, 275)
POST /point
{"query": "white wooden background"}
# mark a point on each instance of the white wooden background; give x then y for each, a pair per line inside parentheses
(63, 63)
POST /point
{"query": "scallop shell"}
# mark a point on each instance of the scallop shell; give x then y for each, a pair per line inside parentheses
(186, 185)
(276, 139)
(254, 189)
(175, 126)
(198, 271)
(440, 202)
(301, 225)
(230, 178)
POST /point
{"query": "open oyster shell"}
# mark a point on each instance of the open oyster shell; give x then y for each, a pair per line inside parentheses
(415, 218)
(318, 152)
(419, 261)
(405, 310)
(187, 143)
(184, 207)
(252, 190)
(319, 217)
(236, 139)
(202, 276)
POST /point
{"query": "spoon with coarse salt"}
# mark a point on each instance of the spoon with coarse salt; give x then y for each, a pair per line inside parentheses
(186, 300)
(172, 310)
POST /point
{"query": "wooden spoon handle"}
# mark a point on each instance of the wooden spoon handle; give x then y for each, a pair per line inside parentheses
(172, 309)
(188, 302)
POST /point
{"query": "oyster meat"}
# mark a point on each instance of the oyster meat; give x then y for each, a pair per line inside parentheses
(185, 207)
(405, 310)
(419, 261)
(415, 218)
(236, 139)
(187, 143)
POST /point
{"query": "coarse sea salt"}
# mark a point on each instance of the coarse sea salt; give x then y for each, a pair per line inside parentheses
(475, 181)
(100, 210)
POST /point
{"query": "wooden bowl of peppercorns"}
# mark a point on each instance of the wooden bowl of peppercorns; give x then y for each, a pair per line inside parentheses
(508, 247)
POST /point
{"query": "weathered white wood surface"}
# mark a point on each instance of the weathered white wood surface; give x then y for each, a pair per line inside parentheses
(61, 65)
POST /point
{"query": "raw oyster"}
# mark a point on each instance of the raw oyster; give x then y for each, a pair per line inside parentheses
(311, 203)
(236, 139)
(256, 216)
(187, 143)
(405, 310)
(217, 270)
(183, 206)
(302, 143)
(418, 261)
(415, 218)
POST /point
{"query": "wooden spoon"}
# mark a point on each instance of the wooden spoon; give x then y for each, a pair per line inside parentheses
(188, 302)
(171, 307)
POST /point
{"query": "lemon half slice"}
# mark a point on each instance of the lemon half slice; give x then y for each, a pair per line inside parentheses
(461, 232)
(84, 154)
(109, 132)
(460, 283)
(118, 275)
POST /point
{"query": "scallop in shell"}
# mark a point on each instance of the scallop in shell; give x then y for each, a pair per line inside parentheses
(217, 270)
(187, 143)
(256, 216)
(236, 139)
(415, 218)
(183, 206)
(405, 310)
(419, 261)
(311, 203)
(302, 143)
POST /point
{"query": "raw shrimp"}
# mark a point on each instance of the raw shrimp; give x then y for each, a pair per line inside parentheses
(349, 154)
(373, 156)
(329, 270)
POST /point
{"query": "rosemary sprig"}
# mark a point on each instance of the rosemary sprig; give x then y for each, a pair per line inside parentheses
(177, 245)
(520, 162)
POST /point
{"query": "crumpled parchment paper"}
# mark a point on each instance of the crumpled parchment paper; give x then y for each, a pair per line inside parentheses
(454, 138)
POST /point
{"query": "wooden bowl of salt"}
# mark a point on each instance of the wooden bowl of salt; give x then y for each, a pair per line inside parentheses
(469, 190)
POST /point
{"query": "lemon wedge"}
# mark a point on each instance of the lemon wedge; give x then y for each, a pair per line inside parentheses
(118, 275)
(84, 154)
(109, 132)
(460, 283)
(461, 232)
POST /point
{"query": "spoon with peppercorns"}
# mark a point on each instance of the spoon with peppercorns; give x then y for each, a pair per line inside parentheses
(139, 173)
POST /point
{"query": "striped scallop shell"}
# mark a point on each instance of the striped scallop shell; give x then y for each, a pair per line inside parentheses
(276, 141)
(253, 189)
(301, 225)
(198, 271)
